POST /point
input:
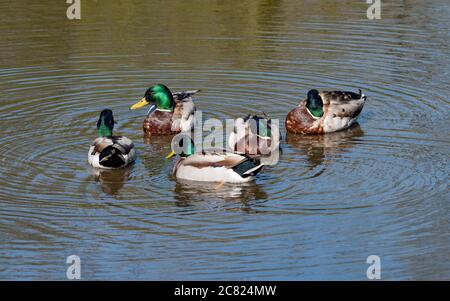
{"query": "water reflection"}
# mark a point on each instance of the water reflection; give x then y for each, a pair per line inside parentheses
(187, 193)
(317, 147)
(329, 202)
(112, 181)
(157, 142)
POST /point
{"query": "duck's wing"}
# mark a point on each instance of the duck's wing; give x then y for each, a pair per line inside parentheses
(343, 103)
(123, 144)
(181, 96)
(100, 144)
(183, 115)
(341, 96)
(119, 153)
(213, 159)
(239, 163)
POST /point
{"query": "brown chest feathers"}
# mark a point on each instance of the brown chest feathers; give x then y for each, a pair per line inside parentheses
(299, 121)
(159, 123)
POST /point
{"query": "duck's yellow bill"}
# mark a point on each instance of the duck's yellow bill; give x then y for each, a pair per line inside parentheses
(172, 153)
(142, 103)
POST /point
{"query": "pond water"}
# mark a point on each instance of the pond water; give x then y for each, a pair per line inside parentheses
(379, 188)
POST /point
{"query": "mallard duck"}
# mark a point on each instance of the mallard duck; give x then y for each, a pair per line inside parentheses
(255, 135)
(325, 112)
(214, 166)
(108, 151)
(169, 113)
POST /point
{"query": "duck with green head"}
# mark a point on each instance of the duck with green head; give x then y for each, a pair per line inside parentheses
(109, 151)
(212, 165)
(255, 136)
(169, 113)
(325, 112)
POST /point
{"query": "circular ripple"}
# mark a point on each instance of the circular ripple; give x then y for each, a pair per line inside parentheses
(394, 164)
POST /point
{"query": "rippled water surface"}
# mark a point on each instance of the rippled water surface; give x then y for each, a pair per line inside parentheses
(379, 188)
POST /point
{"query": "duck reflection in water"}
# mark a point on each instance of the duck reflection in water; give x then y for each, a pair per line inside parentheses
(187, 193)
(157, 142)
(318, 147)
(112, 181)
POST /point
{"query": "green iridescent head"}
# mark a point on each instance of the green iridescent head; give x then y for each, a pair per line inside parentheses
(314, 103)
(189, 149)
(183, 146)
(105, 124)
(159, 96)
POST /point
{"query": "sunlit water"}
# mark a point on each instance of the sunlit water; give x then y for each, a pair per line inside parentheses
(379, 188)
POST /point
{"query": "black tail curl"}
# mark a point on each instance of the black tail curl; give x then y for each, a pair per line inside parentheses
(248, 164)
(111, 157)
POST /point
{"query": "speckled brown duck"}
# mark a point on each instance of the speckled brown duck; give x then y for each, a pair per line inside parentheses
(169, 113)
(325, 112)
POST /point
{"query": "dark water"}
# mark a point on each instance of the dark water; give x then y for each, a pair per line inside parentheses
(379, 188)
